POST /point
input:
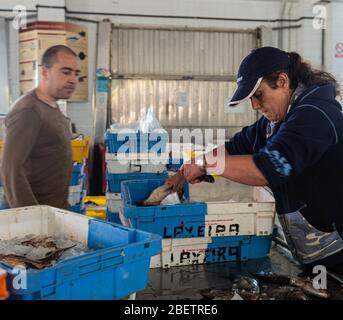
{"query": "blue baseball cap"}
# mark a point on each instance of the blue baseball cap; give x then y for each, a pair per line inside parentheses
(257, 64)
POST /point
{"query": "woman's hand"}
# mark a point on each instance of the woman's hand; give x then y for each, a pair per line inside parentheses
(192, 173)
(176, 181)
(189, 172)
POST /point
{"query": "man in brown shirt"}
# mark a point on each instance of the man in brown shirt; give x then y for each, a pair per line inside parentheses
(37, 160)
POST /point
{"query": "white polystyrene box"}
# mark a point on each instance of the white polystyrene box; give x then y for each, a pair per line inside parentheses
(43, 220)
(239, 218)
(114, 202)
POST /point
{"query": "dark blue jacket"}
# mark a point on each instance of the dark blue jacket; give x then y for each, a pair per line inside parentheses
(303, 159)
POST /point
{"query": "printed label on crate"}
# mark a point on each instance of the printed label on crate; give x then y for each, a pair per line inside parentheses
(204, 230)
(178, 252)
(183, 256)
(208, 255)
(197, 254)
(221, 225)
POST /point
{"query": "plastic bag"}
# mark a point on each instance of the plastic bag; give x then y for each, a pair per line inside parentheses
(171, 199)
(146, 123)
(149, 122)
(119, 127)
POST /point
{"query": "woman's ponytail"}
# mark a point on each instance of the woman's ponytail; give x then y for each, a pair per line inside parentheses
(301, 72)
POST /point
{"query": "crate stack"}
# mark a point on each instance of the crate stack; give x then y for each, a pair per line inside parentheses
(78, 185)
(77, 190)
(200, 232)
(3, 202)
(141, 152)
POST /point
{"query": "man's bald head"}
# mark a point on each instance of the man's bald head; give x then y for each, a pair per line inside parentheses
(50, 56)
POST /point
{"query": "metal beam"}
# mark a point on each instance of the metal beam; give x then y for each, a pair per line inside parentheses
(101, 97)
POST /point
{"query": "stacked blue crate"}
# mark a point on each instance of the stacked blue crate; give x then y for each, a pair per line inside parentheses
(77, 188)
(3, 202)
(133, 143)
(186, 227)
(138, 145)
(113, 203)
(78, 174)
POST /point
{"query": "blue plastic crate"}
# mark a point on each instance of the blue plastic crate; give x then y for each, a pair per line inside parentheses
(3, 202)
(192, 219)
(76, 179)
(79, 208)
(114, 180)
(78, 168)
(113, 217)
(213, 250)
(77, 175)
(136, 142)
(184, 220)
(239, 248)
(117, 266)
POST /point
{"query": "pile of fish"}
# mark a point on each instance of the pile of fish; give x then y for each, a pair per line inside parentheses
(267, 287)
(38, 252)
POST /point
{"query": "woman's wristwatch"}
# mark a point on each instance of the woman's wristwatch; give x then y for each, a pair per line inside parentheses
(201, 162)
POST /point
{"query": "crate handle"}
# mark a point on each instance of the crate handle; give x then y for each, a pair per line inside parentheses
(139, 166)
(124, 193)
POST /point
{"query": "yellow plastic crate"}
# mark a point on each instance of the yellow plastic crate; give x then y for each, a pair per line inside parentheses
(80, 149)
(97, 214)
(97, 200)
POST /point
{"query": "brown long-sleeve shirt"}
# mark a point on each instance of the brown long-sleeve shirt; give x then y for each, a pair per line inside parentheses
(37, 161)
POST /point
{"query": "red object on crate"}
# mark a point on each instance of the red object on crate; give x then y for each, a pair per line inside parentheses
(3, 286)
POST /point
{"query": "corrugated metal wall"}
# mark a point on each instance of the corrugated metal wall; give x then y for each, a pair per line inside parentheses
(186, 75)
(176, 52)
(205, 100)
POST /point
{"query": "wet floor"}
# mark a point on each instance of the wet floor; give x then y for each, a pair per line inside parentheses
(183, 283)
(180, 283)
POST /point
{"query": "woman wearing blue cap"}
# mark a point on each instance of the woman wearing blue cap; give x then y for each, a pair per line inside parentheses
(295, 148)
